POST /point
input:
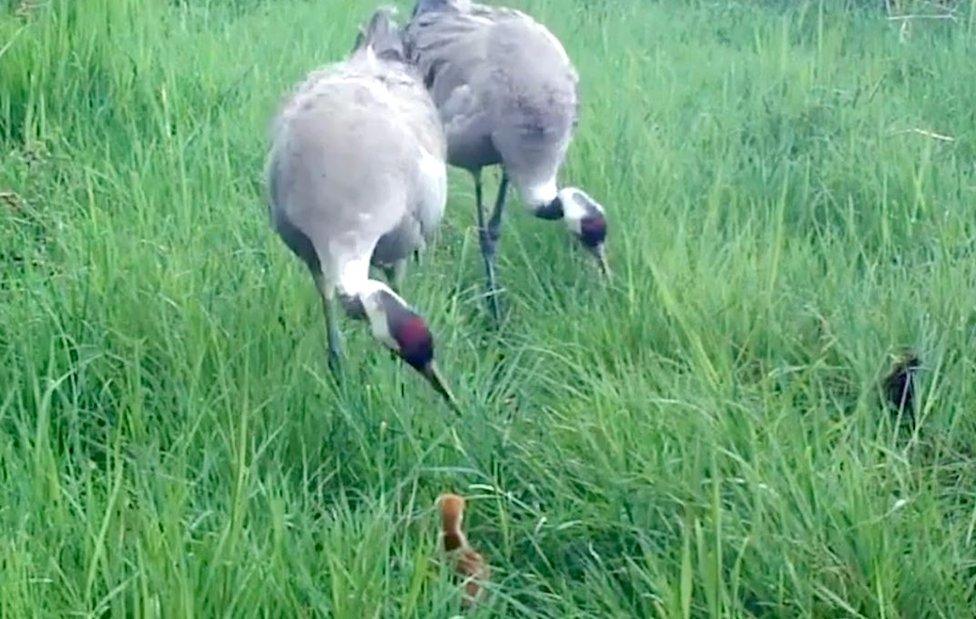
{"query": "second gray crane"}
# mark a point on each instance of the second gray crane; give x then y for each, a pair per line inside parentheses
(507, 94)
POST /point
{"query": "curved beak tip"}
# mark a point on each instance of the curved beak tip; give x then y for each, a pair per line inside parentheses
(436, 380)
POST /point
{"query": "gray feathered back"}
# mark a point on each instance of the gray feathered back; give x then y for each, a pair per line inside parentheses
(383, 35)
(424, 6)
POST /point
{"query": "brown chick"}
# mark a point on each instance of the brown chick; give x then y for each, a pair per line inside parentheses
(468, 564)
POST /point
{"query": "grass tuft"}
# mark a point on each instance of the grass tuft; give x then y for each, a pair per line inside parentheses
(790, 190)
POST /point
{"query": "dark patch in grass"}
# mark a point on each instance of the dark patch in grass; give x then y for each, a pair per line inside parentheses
(900, 385)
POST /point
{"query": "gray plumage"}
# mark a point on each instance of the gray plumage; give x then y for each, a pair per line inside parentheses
(354, 158)
(356, 175)
(507, 94)
(504, 86)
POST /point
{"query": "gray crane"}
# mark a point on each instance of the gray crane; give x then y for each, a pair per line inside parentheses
(357, 177)
(507, 94)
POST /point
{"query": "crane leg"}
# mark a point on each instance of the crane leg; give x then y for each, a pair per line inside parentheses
(487, 250)
(327, 292)
(495, 223)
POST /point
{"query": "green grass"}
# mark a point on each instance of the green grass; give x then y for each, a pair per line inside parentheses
(702, 438)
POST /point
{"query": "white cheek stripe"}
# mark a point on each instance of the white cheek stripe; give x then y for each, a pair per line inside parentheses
(354, 282)
(540, 195)
(380, 327)
(354, 277)
(572, 209)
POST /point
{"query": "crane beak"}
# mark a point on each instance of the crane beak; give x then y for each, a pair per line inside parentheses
(433, 376)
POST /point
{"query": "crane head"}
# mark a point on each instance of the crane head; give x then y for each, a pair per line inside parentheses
(585, 219)
(405, 333)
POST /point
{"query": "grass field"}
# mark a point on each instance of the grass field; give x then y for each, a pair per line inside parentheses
(791, 192)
